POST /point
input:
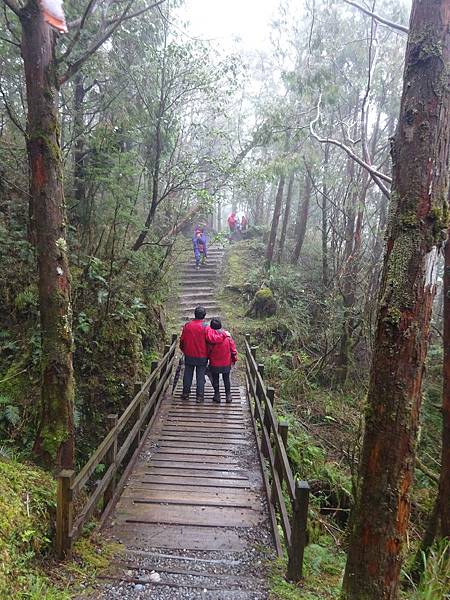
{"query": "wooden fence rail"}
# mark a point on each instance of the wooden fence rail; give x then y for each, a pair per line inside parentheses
(116, 454)
(272, 436)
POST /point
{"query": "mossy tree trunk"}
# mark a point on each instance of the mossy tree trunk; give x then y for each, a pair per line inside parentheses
(418, 213)
(55, 440)
(324, 207)
(350, 270)
(275, 221)
(287, 213)
(302, 219)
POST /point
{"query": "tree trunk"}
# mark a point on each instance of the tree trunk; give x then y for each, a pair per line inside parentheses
(325, 270)
(79, 175)
(55, 440)
(352, 256)
(439, 520)
(275, 221)
(444, 480)
(287, 212)
(302, 220)
(417, 216)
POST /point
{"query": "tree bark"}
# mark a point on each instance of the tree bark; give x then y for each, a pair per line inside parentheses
(55, 440)
(325, 270)
(418, 213)
(302, 220)
(287, 213)
(79, 175)
(275, 220)
(444, 480)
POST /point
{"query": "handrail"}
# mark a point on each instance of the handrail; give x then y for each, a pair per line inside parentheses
(135, 419)
(272, 443)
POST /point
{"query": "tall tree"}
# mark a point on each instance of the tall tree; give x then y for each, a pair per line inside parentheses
(418, 215)
(275, 221)
(45, 72)
(302, 218)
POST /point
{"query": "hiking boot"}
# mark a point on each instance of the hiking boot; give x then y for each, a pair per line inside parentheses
(229, 399)
(200, 399)
(216, 397)
(184, 396)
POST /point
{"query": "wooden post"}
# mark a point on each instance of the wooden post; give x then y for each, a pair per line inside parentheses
(166, 359)
(283, 430)
(253, 351)
(298, 531)
(137, 389)
(152, 386)
(266, 420)
(64, 514)
(259, 389)
(110, 459)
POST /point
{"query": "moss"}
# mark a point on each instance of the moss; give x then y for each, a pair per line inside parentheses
(393, 316)
(439, 217)
(398, 293)
(27, 503)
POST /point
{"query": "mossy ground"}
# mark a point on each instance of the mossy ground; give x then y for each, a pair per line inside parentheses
(27, 513)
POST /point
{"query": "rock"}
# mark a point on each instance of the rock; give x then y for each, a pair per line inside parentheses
(155, 577)
(263, 304)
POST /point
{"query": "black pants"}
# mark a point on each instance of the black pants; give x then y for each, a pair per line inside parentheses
(199, 376)
(226, 381)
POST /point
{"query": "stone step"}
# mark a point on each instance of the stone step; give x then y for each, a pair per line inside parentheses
(196, 299)
(209, 292)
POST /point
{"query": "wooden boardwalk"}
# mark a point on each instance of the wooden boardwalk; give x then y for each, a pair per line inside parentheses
(193, 518)
(194, 509)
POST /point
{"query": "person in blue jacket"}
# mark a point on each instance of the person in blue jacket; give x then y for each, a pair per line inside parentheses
(200, 248)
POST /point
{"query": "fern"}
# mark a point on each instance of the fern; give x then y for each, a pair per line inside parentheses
(10, 414)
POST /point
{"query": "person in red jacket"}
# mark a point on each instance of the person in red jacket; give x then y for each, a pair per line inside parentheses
(232, 222)
(222, 355)
(193, 346)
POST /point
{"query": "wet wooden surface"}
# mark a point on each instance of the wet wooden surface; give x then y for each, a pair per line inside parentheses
(195, 486)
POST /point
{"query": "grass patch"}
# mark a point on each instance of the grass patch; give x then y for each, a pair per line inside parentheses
(323, 569)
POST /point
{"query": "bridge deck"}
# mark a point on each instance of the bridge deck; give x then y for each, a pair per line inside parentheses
(194, 508)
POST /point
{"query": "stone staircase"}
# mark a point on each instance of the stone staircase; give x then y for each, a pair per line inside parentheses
(199, 287)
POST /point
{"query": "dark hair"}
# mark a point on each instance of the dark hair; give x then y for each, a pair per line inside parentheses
(200, 312)
(216, 323)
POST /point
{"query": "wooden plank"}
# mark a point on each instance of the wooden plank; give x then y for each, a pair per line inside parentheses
(191, 473)
(211, 424)
(215, 441)
(199, 432)
(189, 456)
(169, 482)
(202, 516)
(196, 480)
(170, 536)
(202, 427)
(210, 419)
(202, 446)
(238, 499)
(197, 465)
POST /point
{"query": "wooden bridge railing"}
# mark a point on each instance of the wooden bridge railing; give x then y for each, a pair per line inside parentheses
(272, 443)
(118, 452)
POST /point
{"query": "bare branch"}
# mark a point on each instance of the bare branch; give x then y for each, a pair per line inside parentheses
(89, 9)
(114, 25)
(10, 41)
(376, 17)
(349, 151)
(11, 115)
(12, 5)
